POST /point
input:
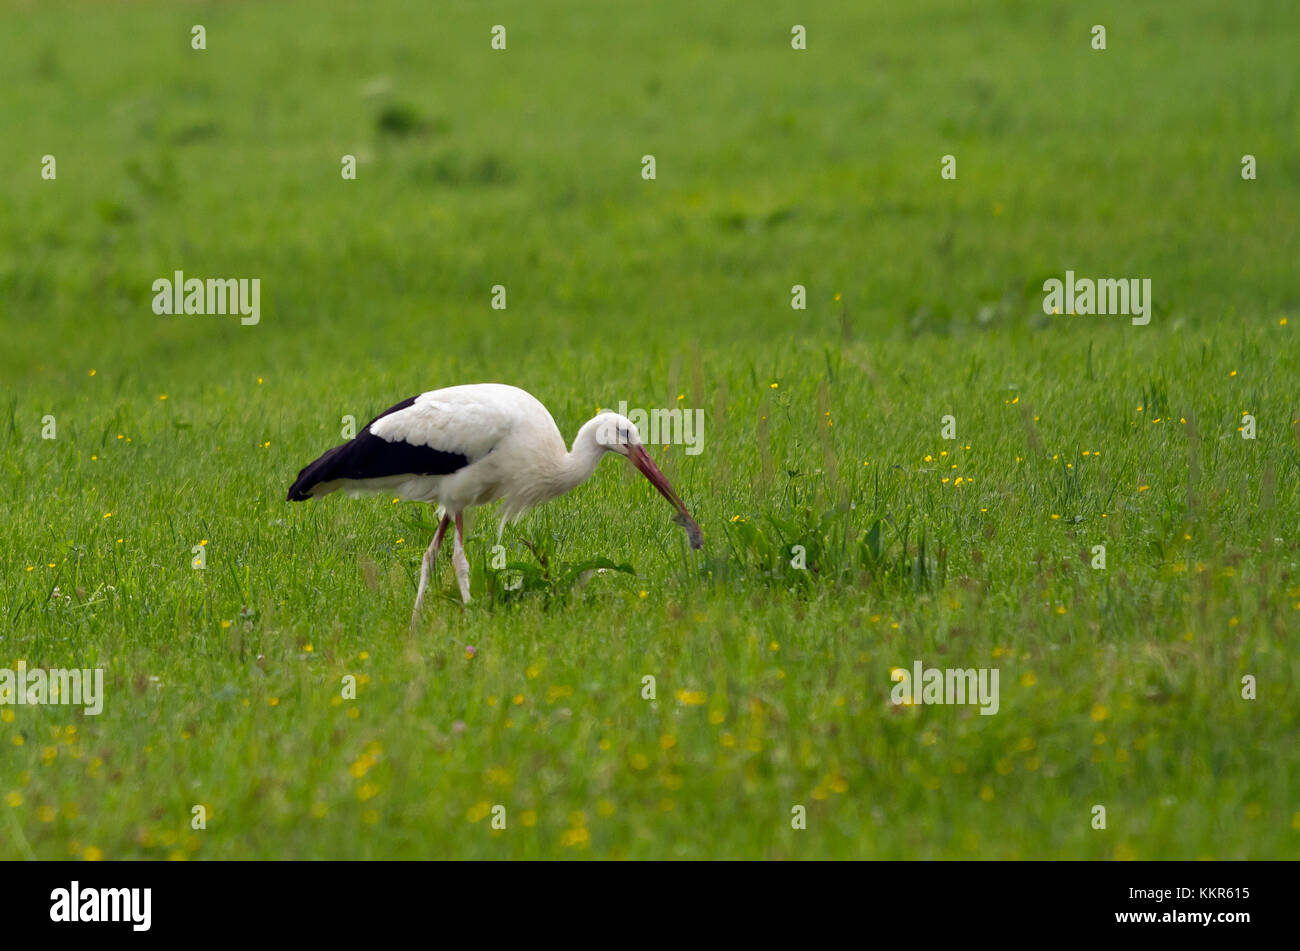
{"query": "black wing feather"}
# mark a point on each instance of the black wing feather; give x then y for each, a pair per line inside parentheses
(366, 456)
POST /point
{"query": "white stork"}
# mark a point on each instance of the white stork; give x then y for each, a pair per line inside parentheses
(470, 445)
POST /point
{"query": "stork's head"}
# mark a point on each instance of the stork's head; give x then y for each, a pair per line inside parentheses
(616, 433)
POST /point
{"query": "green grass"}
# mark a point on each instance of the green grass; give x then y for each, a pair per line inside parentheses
(1119, 687)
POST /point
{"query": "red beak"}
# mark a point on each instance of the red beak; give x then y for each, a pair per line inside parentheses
(639, 458)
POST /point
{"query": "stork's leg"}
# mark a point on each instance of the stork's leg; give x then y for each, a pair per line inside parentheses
(459, 560)
(426, 564)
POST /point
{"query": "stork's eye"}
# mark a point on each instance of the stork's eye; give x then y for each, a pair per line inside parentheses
(624, 436)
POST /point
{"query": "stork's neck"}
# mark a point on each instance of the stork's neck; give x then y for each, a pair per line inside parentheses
(578, 464)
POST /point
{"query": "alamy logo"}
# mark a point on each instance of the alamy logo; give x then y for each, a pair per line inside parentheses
(213, 297)
(946, 685)
(134, 905)
(661, 427)
(38, 686)
(1124, 297)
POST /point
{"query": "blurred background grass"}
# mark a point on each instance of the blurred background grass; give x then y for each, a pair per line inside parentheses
(775, 167)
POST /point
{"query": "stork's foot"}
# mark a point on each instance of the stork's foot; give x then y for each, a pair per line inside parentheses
(426, 565)
(461, 564)
(459, 561)
(419, 603)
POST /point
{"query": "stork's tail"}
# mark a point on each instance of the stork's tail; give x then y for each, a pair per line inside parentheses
(310, 480)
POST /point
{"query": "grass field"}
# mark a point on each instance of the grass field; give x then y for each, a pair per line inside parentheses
(1120, 686)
